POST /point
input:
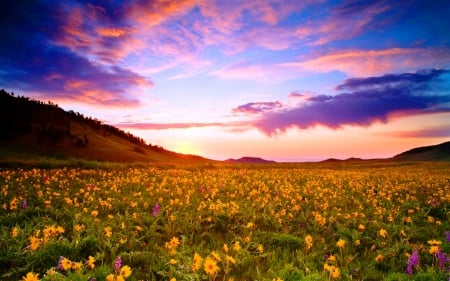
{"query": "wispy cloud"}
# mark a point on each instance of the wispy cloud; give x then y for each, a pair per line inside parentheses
(375, 62)
(371, 100)
(256, 107)
(180, 125)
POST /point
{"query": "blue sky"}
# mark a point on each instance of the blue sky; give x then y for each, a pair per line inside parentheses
(285, 80)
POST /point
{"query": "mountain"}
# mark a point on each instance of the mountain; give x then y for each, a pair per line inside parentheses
(31, 129)
(439, 152)
(249, 160)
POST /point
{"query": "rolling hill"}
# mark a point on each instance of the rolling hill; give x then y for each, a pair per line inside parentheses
(439, 152)
(31, 129)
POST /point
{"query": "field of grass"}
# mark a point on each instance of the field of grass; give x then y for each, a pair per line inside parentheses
(277, 222)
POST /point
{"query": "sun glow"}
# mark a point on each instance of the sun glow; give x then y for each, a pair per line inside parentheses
(185, 148)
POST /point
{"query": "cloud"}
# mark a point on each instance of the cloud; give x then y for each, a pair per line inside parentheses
(180, 125)
(374, 99)
(256, 107)
(376, 62)
(36, 62)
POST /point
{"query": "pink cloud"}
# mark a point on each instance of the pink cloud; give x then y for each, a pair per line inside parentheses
(256, 107)
(376, 62)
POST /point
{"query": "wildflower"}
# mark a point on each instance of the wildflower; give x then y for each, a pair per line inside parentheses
(24, 204)
(308, 242)
(172, 261)
(15, 232)
(76, 265)
(216, 256)
(379, 258)
(94, 213)
(383, 233)
(357, 242)
(196, 262)
(447, 236)
(34, 242)
(230, 259)
(413, 261)
(173, 243)
(173, 279)
(277, 279)
(31, 277)
(260, 248)
(210, 266)
(361, 227)
(434, 250)
(110, 277)
(66, 264)
(335, 273)
(91, 262)
(107, 231)
(341, 243)
(59, 266)
(125, 271)
(434, 242)
(225, 248)
(442, 259)
(237, 246)
(117, 264)
(156, 209)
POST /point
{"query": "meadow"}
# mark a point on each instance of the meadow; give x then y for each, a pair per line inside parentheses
(274, 222)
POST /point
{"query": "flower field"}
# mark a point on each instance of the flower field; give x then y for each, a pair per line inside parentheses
(280, 222)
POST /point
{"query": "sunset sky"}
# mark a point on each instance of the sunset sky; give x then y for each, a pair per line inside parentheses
(283, 80)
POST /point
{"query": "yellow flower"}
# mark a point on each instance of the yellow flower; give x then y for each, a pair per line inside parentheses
(277, 279)
(260, 248)
(34, 242)
(225, 248)
(31, 277)
(173, 243)
(308, 242)
(107, 231)
(434, 250)
(94, 213)
(361, 227)
(216, 256)
(383, 233)
(357, 242)
(76, 265)
(237, 246)
(434, 242)
(120, 278)
(172, 261)
(15, 232)
(210, 266)
(379, 258)
(173, 279)
(335, 273)
(66, 264)
(125, 271)
(91, 262)
(230, 259)
(341, 243)
(196, 262)
(110, 277)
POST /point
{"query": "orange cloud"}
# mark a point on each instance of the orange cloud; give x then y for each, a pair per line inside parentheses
(111, 32)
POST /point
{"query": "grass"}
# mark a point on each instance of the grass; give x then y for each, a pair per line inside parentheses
(224, 222)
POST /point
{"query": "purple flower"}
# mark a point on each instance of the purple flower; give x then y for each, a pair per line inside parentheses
(59, 266)
(24, 204)
(447, 236)
(156, 209)
(442, 259)
(117, 264)
(413, 261)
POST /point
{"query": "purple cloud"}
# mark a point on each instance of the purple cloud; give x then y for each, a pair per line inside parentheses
(412, 79)
(34, 61)
(256, 107)
(373, 100)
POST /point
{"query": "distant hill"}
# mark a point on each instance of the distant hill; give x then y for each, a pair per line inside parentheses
(439, 152)
(250, 160)
(30, 129)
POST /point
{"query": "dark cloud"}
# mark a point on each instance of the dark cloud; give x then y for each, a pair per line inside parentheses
(364, 106)
(33, 58)
(411, 79)
(256, 107)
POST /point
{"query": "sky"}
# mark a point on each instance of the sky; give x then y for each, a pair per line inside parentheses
(282, 80)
